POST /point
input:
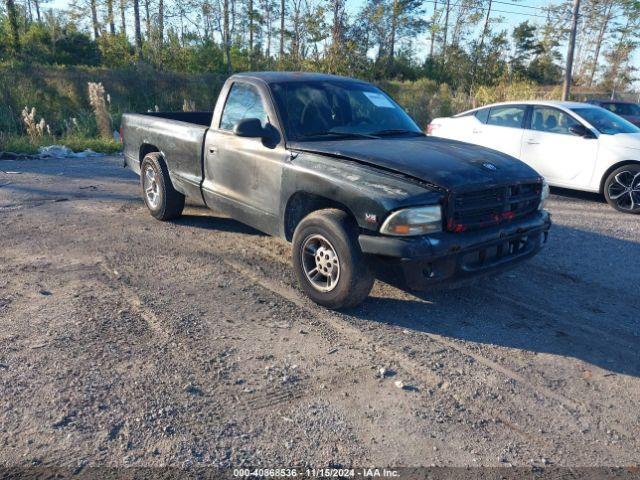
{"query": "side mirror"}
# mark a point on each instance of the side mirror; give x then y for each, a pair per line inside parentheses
(581, 131)
(250, 127)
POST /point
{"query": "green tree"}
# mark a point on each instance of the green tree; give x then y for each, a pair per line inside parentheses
(526, 46)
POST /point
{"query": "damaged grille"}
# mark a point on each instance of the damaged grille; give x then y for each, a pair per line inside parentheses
(478, 209)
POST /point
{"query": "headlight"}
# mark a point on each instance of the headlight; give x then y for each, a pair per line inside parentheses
(545, 194)
(413, 221)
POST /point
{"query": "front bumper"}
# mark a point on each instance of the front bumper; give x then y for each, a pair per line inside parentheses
(445, 256)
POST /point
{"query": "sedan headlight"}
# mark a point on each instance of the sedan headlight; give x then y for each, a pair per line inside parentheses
(545, 194)
(413, 221)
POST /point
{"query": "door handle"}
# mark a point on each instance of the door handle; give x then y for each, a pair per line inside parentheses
(531, 141)
(213, 150)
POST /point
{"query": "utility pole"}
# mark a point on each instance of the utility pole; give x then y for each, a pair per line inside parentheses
(570, 49)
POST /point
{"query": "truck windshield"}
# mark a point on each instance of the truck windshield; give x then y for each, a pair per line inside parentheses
(335, 110)
(605, 121)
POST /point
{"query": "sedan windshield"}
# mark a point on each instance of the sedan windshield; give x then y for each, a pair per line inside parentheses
(605, 121)
(335, 110)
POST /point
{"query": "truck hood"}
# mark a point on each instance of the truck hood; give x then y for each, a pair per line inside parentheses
(448, 164)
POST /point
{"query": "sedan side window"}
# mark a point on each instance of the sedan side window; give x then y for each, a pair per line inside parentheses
(482, 114)
(507, 116)
(551, 120)
(243, 101)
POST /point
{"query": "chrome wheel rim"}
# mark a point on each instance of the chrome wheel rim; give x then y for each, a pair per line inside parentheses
(625, 190)
(320, 263)
(151, 187)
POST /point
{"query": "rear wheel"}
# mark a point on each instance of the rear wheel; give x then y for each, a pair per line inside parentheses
(163, 201)
(328, 262)
(622, 189)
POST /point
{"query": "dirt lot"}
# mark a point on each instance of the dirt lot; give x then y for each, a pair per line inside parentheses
(126, 341)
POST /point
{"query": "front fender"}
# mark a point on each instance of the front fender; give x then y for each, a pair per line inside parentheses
(368, 193)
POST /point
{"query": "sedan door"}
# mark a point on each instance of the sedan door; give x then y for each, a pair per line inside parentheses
(549, 146)
(502, 129)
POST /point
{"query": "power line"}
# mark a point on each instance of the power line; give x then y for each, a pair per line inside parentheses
(517, 13)
(517, 5)
(526, 14)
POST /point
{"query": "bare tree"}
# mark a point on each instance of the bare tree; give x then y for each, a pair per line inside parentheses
(36, 3)
(160, 22)
(447, 10)
(138, 34)
(337, 25)
(394, 26)
(433, 27)
(485, 29)
(297, 23)
(268, 10)
(147, 19)
(282, 14)
(94, 19)
(110, 21)
(123, 17)
(251, 15)
(226, 34)
(13, 24)
(604, 26)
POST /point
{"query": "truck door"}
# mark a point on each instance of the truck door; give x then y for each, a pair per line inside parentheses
(242, 176)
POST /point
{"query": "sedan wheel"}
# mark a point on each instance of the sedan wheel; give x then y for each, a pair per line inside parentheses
(622, 189)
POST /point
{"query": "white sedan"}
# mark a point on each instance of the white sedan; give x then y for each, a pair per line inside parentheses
(573, 145)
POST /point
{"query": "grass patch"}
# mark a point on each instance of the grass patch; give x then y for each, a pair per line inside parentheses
(100, 145)
(77, 143)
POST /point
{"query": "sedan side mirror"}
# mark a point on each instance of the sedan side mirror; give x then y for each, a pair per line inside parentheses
(581, 131)
(250, 127)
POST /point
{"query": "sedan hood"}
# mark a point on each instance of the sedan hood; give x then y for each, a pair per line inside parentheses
(448, 164)
(622, 141)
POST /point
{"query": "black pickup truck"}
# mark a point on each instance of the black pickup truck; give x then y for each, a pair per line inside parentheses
(336, 167)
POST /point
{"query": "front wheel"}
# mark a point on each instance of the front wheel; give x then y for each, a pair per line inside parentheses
(328, 262)
(622, 189)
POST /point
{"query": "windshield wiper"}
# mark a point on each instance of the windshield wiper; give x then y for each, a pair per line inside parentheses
(325, 133)
(395, 131)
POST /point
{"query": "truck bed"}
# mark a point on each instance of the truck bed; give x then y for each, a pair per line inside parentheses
(196, 118)
(179, 136)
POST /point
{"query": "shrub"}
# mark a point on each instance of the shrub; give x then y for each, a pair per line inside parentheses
(100, 110)
(35, 130)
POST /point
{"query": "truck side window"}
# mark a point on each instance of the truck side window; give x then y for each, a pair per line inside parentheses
(243, 102)
(507, 116)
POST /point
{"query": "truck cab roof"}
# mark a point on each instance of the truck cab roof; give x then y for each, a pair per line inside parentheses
(284, 77)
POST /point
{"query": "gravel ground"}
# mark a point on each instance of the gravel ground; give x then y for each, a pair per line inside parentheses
(129, 342)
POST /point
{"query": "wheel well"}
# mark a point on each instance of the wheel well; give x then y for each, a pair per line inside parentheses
(612, 168)
(301, 204)
(145, 149)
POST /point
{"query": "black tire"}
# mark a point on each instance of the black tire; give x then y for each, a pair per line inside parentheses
(169, 203)
(622, 189)
(354, 280)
